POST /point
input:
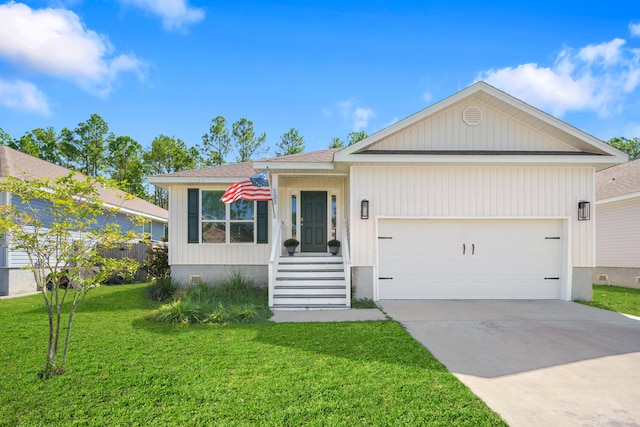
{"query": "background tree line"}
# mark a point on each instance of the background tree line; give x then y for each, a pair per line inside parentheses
(92, 149)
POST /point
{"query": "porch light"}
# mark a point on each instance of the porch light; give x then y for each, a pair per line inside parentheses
(364, 209)
(584, 211)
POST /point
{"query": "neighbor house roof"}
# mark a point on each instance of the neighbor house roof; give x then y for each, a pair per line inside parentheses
(20, 165)
(235, 171)
(617, 181)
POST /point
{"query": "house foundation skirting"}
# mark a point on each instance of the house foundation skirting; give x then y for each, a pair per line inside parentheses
(16, 281)
(362, 282)
(581, 284)
(212, 274)
(627, 277)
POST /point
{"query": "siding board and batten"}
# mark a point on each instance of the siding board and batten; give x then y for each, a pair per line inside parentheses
(498, 191)
(446, 131)
(183, 253)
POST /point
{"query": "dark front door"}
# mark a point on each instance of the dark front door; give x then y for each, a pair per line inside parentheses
(313, 221)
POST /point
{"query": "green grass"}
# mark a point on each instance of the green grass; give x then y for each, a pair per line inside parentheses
(616, 298)
(127, 370)
(233, 300)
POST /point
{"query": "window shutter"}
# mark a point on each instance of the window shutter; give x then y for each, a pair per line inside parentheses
(262, 222)
(192, 215)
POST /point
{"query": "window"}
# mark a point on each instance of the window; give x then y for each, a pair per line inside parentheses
(146, 230)
(294, 215)
(334, 215)
(221, 223)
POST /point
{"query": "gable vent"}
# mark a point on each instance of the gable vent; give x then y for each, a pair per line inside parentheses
(472, 115)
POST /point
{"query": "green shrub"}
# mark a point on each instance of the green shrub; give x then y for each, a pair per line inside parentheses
(232, 300)
(180, 311)
(157, 263)
(162, 289)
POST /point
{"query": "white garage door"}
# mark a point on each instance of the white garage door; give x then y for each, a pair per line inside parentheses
(469, 259)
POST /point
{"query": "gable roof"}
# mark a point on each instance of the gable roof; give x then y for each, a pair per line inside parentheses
(20, 165)
(233, 172)
(619, 181)
(423, 136)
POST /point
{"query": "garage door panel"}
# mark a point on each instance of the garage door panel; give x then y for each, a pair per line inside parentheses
(469, 259)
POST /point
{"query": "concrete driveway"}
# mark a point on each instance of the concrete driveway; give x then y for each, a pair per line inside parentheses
(536, 363)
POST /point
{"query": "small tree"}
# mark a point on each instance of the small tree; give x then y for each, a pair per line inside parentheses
(629, 146)
(57, 226)
(290, 143)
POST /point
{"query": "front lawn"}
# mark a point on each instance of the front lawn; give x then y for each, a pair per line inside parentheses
(616, 298)
(124, 369)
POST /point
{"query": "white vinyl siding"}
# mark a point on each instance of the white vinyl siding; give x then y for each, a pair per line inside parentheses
(183, 253)
(468, 192)
(618, 234)
(447, 131)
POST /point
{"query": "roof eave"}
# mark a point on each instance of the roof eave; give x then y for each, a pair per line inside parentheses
(166, 181)
(619, 198)
(599, 162)
(293, 165)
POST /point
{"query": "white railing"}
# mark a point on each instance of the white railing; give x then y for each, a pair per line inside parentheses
(346, 259)
(274, 257)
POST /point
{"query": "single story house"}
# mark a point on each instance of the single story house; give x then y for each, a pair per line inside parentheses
(477, 196)
(617, 232)
(14, 278)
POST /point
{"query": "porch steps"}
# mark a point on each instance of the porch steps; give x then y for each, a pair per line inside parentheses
(310, 282)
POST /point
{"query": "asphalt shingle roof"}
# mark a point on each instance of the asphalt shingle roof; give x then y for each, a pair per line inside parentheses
(618, 180)
(20, 165)
(245, 169)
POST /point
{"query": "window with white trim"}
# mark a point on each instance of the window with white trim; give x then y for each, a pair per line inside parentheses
(222, 223)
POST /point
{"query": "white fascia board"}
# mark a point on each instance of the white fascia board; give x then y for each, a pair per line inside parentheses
(620, 198)
(292, 165)
(165, 182)
(504, 159)
(144, 215)
(347, 153)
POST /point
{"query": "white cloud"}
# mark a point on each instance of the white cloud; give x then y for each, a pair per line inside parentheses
(598, 78)
(361, 117)
(346, 107)
(634, 29)
(427, 97)
(54, 42)
(609, 53)
(25, 96)
(350, 111)
(175, 14)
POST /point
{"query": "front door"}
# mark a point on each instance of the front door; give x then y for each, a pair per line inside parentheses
(313, 221)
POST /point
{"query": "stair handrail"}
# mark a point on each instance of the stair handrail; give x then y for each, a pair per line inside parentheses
(346, 261)
(273, 258)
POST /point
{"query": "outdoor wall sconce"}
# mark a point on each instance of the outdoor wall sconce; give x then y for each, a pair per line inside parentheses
(364, 209)
(584, 211)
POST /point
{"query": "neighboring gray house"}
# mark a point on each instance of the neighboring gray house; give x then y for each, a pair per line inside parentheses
(476, 196)
(618, 226)
(14, 278)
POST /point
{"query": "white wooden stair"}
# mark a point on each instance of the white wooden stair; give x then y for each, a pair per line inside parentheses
(314, 281)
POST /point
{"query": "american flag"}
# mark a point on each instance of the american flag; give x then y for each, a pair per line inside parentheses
(256, 187)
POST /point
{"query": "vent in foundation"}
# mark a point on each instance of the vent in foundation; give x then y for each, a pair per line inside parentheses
(637, 280)
(472, 115)
(195, 278)
(603, 278)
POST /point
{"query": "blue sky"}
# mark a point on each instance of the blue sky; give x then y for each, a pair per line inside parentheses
(325, 68)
